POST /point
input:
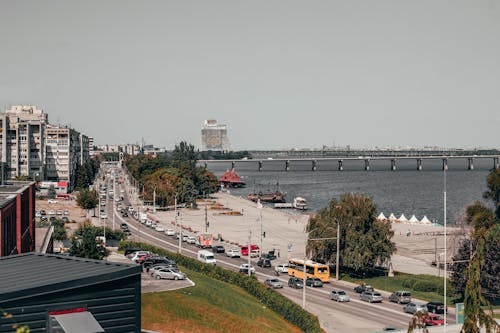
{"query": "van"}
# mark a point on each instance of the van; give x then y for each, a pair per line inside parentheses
(207, 257)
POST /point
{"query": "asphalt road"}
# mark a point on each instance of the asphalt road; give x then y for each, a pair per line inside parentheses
(354, 316)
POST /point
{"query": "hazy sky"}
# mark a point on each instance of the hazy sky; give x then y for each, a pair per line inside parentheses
(278, 73)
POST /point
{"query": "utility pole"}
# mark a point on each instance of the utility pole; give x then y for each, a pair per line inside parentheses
(337, 259)
(249, 251)
(445, 268)
(180, 226)
(114, 207)
(206, 218)
(154, 200)
(261, 233)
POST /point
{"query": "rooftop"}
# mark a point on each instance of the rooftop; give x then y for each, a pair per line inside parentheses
(28, 274)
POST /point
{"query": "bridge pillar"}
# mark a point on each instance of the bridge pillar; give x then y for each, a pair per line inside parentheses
(233, 163)
(419, 164)
(314, 165)
(340, 165)
(470, 164)
(287, 165)
(393, 164)
(495, 163)
(445, 164)
(367, 165)
(205, 164)
(260, 166)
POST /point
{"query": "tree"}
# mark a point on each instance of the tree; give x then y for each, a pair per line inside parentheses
(87, 199)
(51, 192)
(88, 246)
(184, 158)
(493, 192)
(364, 242)
(59, 230)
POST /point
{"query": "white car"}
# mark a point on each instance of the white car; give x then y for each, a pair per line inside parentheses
(104, 216)
(281, 268)
(52, 201)
(191, 240)
(148, 223)
(233, 253)
(160, 228)
(170, 232)
(245, 267)
(136, 255)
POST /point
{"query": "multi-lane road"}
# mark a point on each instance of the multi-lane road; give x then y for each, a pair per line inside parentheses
(354, 316)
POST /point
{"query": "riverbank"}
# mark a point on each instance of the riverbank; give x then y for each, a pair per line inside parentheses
(234, 219)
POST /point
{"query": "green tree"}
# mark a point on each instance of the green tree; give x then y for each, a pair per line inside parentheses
(59, 230)
(493, 192)
(364, 241)
(184, 158)
(87, 246)
(51, 192)
(87, 199)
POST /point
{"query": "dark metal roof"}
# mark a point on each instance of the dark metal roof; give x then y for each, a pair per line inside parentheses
(33, 274)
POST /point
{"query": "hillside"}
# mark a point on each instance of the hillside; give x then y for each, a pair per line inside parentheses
(210, 306)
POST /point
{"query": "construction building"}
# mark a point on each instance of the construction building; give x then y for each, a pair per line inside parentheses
(214, 136)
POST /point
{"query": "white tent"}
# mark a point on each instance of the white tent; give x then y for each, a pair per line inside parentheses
(413, 219)
(403, 218)
(425, 220)
(392, 218)
(381, 217)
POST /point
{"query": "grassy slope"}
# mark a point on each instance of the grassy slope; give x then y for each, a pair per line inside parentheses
(210, 306)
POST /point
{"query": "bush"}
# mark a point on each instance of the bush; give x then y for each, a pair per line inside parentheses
(291, 311)
(425, 286)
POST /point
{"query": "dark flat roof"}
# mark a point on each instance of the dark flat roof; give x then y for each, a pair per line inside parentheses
(32, 274)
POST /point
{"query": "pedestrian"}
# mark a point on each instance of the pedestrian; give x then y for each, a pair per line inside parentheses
(278, 253)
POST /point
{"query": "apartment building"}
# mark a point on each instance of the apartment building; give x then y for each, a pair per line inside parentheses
(22, 136)
(214, 136)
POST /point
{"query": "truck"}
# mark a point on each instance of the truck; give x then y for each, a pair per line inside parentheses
(143, 217)
(254, 251)
(204, 240)
(207, 257)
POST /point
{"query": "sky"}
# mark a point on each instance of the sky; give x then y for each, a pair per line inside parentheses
(279, 74)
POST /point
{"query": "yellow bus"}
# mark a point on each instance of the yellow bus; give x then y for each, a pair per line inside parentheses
(313, 269)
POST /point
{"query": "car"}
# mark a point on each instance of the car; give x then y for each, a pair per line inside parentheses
(414, 307)
(314, 282)
(433, 319)
(59, 212)
(154, 261)
(66, 212)
(43, 218)
(264, 263)
(233, 253)
(160, 228)
(273, 283)
(51, 212)
(191, 240)
(43, 212)
(269, 255)
(52, 201)
(168, 273)
(52, 218)
(362, 288)
(339, 296)
(131, 250)
(435, 307)
(124, 226)
(170, 232)
(136, 255)
(149, 223)
(371, 297)
(124, 214)
(153, 269)
(104, 216)
(400, 297)
(281, 268)
(185, 238)
(37, 214)
(218, 249)
(245, 267)
(296, 283)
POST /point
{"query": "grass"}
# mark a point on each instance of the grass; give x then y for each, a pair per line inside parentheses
(210, 306)
(396, 283)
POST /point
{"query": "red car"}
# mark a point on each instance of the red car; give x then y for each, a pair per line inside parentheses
(433, 320)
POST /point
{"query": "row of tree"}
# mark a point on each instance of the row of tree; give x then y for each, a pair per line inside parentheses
(85, 173)
(173, 175)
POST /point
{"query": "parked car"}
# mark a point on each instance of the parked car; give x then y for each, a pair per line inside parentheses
(153, 269)
(66, 212)
(371, 297)
(170, 232)
(339, 296)
(281, 268)
(51, 212)
(59, 212)
(264, 263)
(245, 266)
(233, 253)
(296, 283)
(273, 283)
(155, 260)
(191, 240)
(124, 214)
(136, 255)
(185, 238)
(433, 320)
(52, 218)
(160, 228)
(124, 226)
(149, 223)
(362, 288)
(400, 297)
(37, 214)
(218, 249)
(168, 273)
(131, 250)
(435, 307)
(43, 212)
(314, 282)
(52, 201)
(413, 307)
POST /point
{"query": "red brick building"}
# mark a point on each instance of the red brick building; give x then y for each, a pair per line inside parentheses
(17, 218)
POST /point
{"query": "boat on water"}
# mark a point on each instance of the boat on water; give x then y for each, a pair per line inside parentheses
(273, 197)
(299, 203)
(231, 179)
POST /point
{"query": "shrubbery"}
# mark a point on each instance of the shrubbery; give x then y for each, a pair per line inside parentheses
(267, 296)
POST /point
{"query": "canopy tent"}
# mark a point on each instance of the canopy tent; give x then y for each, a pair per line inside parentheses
(413, 219)
(392, 218)
(381, 217)
(425, 220)
(403, 218)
